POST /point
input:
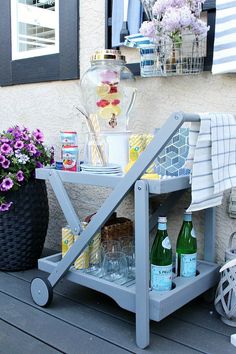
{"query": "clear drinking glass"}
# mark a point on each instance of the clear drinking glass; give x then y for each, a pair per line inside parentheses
(111, 246)
(129, 251)
(96, 152)
(95, 266)
(126, 241)
(115, 267)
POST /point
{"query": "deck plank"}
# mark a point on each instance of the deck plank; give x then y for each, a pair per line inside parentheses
(58, 334)
(11, 339)
(204, 316)
(197, 312)
(103, 325)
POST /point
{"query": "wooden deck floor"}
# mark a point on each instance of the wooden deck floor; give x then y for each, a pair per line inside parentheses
(82, 321)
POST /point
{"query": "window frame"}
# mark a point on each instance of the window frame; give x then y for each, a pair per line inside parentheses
(209, 6)
(59, 66)
(16, 55)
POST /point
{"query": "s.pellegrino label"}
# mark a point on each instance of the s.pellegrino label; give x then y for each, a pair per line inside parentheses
(166, 243)
(161, 259)
(161, 277)
(186, 249)
(188, 265)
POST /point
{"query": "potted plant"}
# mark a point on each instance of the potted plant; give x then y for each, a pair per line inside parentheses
(23, 199)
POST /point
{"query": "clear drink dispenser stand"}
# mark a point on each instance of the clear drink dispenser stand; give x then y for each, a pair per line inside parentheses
(108, 92)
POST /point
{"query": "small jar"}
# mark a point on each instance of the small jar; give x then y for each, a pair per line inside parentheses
(96, 150)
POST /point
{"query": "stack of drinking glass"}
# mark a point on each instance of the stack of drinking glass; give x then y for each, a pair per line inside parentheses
(114, 260)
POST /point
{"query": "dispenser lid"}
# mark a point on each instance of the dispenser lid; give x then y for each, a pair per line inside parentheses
(108, 54)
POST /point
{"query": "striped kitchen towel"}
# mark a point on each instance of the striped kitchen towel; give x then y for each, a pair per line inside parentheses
(212, 158)
(224, 57)
(137, 41)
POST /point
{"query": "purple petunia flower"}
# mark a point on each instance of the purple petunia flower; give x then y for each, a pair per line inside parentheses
(19, 145)
(4, 140)
(6, 149)
(10, 130)
(6, 184)
(5, 206)
(38, 154)
(20, 176)
(38, 135)
(32, 148)
(17, 135)
(2, 158)
(5, 164)
(39, 164)
(25, 136)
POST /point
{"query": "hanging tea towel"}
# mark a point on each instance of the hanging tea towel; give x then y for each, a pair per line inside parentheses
(224, 57)
(212, 159)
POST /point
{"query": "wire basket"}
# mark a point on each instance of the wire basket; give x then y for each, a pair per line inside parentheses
(116, 228)
(168, 58)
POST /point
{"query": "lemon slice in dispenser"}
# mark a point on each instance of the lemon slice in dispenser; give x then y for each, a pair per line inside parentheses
(112, 96)
(108, 111)
(103, 90)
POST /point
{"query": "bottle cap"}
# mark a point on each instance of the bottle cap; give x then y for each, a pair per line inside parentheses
(187, 212)
(162, 219)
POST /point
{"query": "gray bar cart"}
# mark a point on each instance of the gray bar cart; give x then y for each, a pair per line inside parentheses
(133, 296)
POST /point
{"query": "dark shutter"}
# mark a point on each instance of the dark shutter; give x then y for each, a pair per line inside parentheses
(61, 66)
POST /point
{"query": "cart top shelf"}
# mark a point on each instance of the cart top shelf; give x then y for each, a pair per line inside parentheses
(155, 186)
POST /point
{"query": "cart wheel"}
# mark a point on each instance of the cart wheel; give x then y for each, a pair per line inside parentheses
(41, 291)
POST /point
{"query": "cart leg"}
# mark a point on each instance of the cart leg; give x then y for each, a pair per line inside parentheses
(142, 263)
(209, 234)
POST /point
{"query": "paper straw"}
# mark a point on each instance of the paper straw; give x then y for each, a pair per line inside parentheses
(94, 247)
(92, 130)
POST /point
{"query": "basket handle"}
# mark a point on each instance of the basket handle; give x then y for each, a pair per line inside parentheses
(229, 264)
(231, 239)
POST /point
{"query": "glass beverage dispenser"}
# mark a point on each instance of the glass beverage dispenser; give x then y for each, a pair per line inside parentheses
(107, 90)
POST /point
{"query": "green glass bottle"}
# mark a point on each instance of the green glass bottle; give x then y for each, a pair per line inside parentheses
(186, 249)
(161, 259)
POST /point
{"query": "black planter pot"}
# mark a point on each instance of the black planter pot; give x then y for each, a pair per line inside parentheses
(24, 227)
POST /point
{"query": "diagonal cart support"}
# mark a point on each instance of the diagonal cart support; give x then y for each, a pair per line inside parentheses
(64, 201)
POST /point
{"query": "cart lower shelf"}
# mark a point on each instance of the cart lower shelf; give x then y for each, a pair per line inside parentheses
(161, 304)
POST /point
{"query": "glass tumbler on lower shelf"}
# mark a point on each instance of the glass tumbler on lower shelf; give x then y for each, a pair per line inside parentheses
(115, 267)
(129, 251)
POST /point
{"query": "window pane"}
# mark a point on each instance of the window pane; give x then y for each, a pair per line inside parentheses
(35, 28)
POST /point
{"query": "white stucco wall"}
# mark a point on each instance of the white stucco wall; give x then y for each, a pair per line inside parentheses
(50, 106)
